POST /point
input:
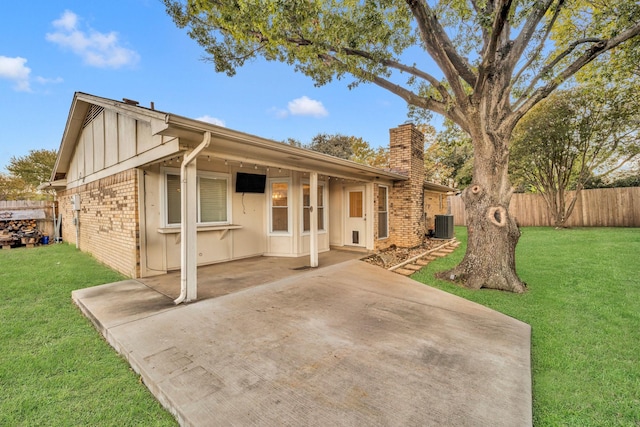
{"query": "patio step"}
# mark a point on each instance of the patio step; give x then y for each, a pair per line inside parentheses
(440, 253)
(447, 250)
(417, 265)
(404, 271)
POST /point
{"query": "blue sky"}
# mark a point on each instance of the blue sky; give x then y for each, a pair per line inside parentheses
(132, 49)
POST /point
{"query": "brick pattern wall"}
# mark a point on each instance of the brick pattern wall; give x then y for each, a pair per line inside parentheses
(406, 198)
(434, 204)
(108, 221)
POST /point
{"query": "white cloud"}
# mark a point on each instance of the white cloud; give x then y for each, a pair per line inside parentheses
(305, 106)
(14, 69)
(278, 112)
(212, 120)
(96, 49)
(45, 80)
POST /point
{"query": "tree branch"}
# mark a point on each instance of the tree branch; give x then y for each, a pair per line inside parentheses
(401, 67)
(428, 103)
(441, 49)
(489, 51)
(553, 63)
(588, 56)
(538, 49)
(528, 30)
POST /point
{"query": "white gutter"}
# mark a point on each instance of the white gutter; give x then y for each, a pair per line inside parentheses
(188, 232)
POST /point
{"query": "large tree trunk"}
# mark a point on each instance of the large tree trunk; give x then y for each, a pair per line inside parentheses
(492, 233)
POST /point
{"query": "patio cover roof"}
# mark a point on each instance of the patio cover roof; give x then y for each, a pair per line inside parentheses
(233, 145)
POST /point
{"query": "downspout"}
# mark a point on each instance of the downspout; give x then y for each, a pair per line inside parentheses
(184, 209)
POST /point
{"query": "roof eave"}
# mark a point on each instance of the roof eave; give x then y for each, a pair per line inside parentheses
(193, 130)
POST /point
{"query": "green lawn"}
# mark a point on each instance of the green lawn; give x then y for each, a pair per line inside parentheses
(583, 305)
(55, 370)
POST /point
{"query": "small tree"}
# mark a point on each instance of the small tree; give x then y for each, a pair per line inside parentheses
(34, 168)
(335, 145)
(292, 142)
(571, 137)
(26, 173)
(12, 188)
(364, 154)
(449, 158)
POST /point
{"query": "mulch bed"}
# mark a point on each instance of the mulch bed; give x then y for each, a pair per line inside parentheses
(393, 255)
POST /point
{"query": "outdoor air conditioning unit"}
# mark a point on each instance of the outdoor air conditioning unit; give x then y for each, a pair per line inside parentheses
(444, 227)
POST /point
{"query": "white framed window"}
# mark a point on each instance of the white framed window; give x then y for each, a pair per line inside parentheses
(383, 212)
(306, 201)
(279, 206)
(213, 198)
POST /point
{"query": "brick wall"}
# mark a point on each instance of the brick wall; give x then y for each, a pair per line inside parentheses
(108, 221)
(406, 198)
(435, 203)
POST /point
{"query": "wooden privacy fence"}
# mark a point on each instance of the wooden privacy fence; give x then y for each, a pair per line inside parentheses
(602, 207)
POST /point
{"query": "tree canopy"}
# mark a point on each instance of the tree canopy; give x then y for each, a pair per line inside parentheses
(12, 188)
(345, 147)
(33, 168)
(503, 39)
(26, 173)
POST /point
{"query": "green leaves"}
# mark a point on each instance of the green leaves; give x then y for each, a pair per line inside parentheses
(318, 38)
(26, 173)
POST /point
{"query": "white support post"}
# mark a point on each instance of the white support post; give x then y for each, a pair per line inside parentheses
(188, 223)
(313, 219)
(188, 230)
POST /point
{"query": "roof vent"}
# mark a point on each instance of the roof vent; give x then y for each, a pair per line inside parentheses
(93, 112)
(130, 101)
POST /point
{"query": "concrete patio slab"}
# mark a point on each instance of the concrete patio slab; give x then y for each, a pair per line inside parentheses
(350, 344)
(227, 277)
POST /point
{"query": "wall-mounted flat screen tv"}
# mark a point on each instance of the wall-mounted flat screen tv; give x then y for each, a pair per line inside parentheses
(250, 183)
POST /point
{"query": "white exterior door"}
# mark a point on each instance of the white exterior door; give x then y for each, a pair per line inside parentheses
(355, 233)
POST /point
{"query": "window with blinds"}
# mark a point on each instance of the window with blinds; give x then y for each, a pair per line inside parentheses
(212, 199)
(173, 199)
(383, 212)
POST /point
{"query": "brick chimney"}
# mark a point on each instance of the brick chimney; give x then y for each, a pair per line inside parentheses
(406, 199)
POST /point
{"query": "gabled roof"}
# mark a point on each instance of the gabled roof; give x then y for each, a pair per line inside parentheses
(225, 143)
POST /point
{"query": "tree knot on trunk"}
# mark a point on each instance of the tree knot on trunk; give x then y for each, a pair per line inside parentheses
(497, 215)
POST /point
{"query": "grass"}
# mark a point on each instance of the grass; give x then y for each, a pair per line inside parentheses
(55, 370)
(583, 305)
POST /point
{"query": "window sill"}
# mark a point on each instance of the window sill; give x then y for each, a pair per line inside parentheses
(175, 230)
(308, 233)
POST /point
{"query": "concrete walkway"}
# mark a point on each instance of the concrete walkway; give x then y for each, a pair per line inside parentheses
(346, 345)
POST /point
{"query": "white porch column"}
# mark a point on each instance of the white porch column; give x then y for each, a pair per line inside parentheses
(188, 224)
(188, 232)
(313, 219)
